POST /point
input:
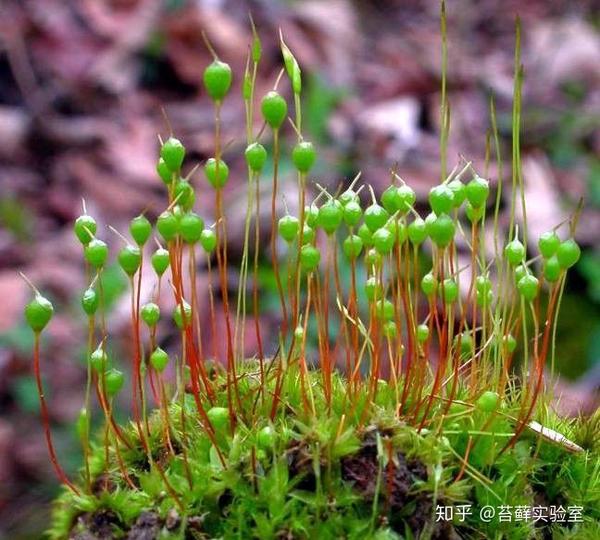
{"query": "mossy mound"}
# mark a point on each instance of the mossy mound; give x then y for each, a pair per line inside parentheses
(329, 475)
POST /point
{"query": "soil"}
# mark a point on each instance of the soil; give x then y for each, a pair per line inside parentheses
(300, 464)
(397, 488)
(105, 525)
(147, 527)
(100, 525)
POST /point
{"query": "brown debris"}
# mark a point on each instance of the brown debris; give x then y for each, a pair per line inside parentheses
(397, 484)
(147, 527)
(100, 525)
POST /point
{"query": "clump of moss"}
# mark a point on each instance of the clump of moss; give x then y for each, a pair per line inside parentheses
(332, 476)
(392, 406)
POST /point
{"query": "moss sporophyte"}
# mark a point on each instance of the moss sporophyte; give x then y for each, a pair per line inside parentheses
(400, 380)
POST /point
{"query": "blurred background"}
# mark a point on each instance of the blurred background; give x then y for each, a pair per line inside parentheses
(82, 84)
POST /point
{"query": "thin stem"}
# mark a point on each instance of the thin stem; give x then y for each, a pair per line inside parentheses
(274, 257)
(46, 417)
(444, 109)
(255, 303)
(88, 386)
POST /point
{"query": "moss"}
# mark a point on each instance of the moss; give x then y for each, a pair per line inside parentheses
(331, 475)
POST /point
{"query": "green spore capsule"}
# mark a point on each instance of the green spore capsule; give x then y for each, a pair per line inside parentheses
(417, 231)
(90, 301)
(140, 229)
(510, 343)
(191, 226)
(292, 68)
(304, 156)
(466, 343)
(449, 290)
(365, 235)
(178, 212)
(217, 80)
(113, 382)
(383, 240)
(390, 330)
(528, 287)
(353, 246)
(373, 288)
(266, 438)
(407, 198)
(474, 215)
(311, 215)
(352, 213)
(483, 284)
(256, 157)
(219, 418)
(288, 227)
(488, 402)
(477, 191)
(38, 312)
(309, 258)
(96, 253)
(520, 271)
(187, 313)
(98, 359)
(376, 217)
(85, 228)
(429, 284)
(256, 47)
(458, 191)
(167, 225)
(330, 216)
(299, 334)
(552, 269)
(442, 231)
(159, 359)
(348, 196)
(308, 234)
(390, 199)
(373, 258)
(514, 252)
(441, 199)
(130, 258)
(160, 261)
(548, 244)
(422, 333)
(172, 152)
(208, 240)
(164, 173)
(431, 217)
(184, 194)
(150, 313)
(274, 109)
(216, 172)
(568, 253)
(384, 310)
